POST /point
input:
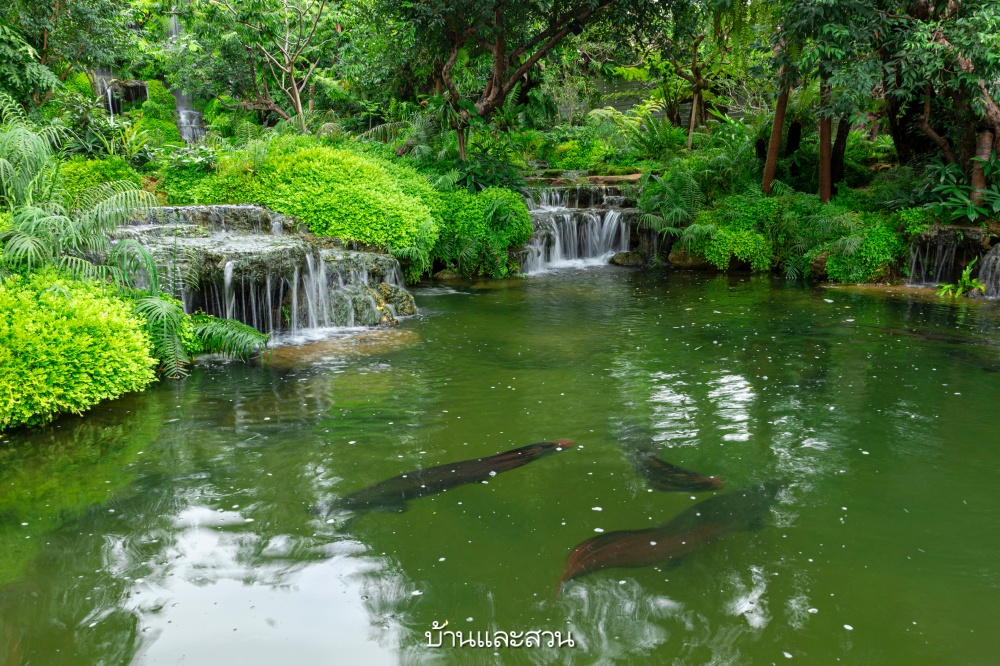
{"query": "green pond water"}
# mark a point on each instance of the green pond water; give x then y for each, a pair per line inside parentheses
(174, 526)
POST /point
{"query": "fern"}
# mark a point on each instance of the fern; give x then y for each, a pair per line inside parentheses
(228, 337)
(163, 323)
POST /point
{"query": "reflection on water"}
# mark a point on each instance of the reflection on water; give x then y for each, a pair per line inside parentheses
(174, 526)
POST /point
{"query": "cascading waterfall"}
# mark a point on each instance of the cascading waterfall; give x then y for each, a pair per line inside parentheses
(989, 272)
(189, 122)
(575, 227)
(939, 253)
(250, 264)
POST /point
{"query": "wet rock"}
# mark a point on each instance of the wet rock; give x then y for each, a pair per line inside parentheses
(264, 269)
(680, 258)
(400, 299)
(633, 258)
(817, 267)
(446, 274)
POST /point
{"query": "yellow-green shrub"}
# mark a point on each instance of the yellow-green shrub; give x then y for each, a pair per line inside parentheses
(336, 192)
(65, 346)
(78, 174)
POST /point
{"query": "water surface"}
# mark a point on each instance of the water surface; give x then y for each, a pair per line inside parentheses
(174, 526)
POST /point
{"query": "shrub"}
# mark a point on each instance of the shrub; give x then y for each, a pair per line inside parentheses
(80, 84)
(79, 174)
(575, 155)
(479, 230)
(874, 258)
(336, 192)
(65, 346)
(160, 96)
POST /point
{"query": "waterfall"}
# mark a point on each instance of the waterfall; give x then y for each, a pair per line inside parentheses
(989, 272)
(247, 263)
(189, 122)
(939, 253)
(575, 227)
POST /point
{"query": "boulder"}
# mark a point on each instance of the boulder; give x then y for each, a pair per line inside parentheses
(680, 258)
(634, 258)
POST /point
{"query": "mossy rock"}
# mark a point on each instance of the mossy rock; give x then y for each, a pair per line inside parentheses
(680, 258)
(400, 299)
(631, 259)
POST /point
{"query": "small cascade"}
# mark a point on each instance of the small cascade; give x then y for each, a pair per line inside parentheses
(989, 272)
(575, 227)
(939, 253)
(189, 122)
(255, 266)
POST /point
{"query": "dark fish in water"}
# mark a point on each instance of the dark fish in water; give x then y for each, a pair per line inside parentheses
(393, 493)
(692, 529)
(663, 476)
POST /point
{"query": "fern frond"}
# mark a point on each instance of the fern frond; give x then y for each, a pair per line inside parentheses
(228, 337)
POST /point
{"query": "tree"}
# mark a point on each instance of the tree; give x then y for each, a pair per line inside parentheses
(290, 36)
(67, 35)
(513, 35)
(21, 75)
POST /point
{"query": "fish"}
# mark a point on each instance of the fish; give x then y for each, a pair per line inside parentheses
(661, 475)
(691, 530)
(392, 494)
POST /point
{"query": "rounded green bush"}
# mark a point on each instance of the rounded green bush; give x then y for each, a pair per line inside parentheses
(335, 192)
(80, 174)
(65, 346)
(159, 95)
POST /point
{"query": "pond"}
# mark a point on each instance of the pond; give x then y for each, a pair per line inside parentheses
(180, 525)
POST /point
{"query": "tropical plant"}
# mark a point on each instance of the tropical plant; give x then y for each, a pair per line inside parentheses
(966, 284)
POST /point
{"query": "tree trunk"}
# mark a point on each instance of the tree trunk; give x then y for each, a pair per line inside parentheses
(460, 131)
(825, 130)
(984, 147)
(692, 120)
(774, 144)
(840, 149)
(794, 140)
(923, 123)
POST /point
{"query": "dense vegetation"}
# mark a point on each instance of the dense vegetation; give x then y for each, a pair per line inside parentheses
(798, 137)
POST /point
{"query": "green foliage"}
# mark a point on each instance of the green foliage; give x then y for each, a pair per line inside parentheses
(575, 155)
(161, 97)
(480, 229)
(21, 75)
(79, 174)
(336, 192)
(736, 228)
(966, 283)
(79, 83)
(874, 258)
(64, 347)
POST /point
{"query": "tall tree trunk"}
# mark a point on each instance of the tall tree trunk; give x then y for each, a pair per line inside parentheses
(774, 144)
(794, 139)
(692, 120)
(825, 130)
(984, 147)
(840, 149)
(460, 131)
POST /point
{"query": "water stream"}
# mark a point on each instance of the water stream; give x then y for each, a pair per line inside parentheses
(575, 227)
(175, 525)
(248, 263)
(189, 122)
